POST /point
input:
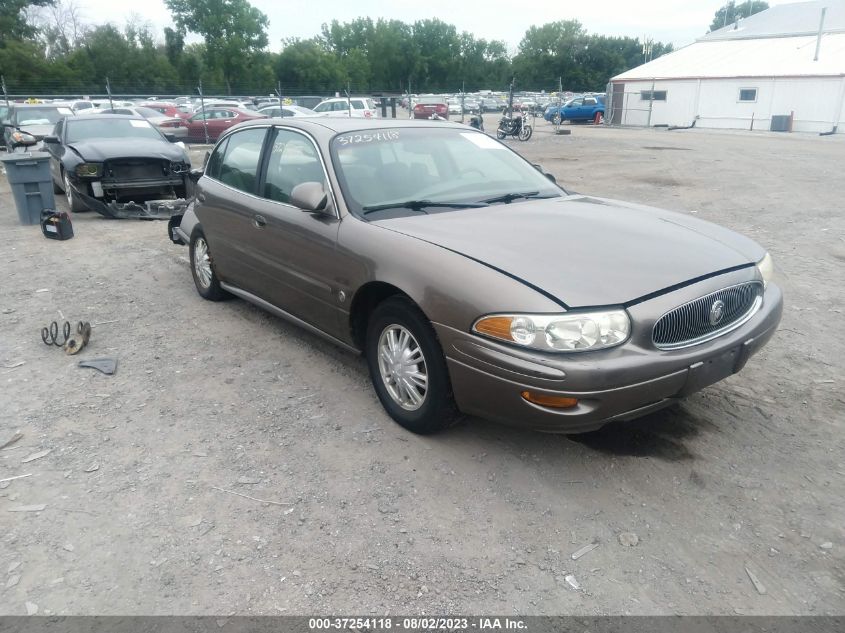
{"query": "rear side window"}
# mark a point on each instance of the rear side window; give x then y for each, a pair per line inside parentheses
(358, 104)
(212, 170)
(293, 160)
(239, 167)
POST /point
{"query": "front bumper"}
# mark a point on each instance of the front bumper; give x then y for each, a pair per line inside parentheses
(146, 199)
(621, 383)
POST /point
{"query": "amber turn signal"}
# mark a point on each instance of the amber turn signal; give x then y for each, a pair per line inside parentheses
(554, 402)
(496, 326)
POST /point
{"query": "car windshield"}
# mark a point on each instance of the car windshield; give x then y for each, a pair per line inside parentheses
(110, 128)
(40, 116)
(412, 168)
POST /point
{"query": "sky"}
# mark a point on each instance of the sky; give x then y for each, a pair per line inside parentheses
(677, 21)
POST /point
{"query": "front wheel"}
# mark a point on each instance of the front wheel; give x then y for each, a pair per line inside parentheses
(500, 134)
(556, 119)
(525, 133)
(599, 118)
(76, 205)
(408, 369)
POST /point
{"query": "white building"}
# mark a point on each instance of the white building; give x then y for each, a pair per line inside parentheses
(787, 61)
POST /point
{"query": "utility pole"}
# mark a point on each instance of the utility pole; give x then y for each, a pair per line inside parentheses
(348, 101)
(463, 97)
(108, 92)
(5, 94)
(648, 47)
(202, 109)
(410, 103)
(510, 97)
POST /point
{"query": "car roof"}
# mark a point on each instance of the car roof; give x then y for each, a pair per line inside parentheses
(100, 117)
(352, 124)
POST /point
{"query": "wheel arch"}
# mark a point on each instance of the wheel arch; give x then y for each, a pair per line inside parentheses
(366, 298)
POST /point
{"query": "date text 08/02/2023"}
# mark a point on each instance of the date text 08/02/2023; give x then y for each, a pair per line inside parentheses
(452, 624)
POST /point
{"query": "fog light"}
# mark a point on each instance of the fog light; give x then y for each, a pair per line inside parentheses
(554, 402)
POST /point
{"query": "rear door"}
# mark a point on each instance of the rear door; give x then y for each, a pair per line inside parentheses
(225, 198)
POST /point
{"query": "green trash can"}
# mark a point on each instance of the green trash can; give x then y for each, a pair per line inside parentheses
(29, 177)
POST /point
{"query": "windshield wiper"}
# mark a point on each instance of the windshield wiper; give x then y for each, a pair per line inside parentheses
(420, 205)
(510, 197)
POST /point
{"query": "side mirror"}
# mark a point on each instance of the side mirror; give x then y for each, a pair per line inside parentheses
(205, 159)
(171, 138)
(195, 175)
(550, 177)
(50, 139)
(309, 196)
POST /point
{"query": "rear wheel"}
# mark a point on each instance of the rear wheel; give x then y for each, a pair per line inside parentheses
(408, 369)
(556, 119)
(202, 269)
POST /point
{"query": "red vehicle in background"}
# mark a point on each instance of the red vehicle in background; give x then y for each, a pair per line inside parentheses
(218, 120)
(168, 109)
(431, 108)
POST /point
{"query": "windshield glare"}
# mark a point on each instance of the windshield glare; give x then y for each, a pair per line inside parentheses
(110, 128)
(381, 166)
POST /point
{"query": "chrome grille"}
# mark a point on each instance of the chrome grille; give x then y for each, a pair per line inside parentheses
(691, 323)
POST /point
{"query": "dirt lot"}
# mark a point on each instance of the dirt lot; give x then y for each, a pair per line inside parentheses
(747, 474)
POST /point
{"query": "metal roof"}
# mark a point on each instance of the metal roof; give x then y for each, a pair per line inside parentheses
(778, 42)
(786, 20)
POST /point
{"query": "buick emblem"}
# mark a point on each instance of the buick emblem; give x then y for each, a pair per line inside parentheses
(717, 311)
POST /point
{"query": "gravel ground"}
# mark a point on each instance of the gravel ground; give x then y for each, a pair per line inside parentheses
(745, 478)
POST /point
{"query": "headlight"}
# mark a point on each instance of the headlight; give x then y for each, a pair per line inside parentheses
(767, 269)
(89, 170)
(569, 332)
(23, 138)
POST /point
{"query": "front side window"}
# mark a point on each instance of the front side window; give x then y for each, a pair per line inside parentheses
(323, 107)
(748, 94)
(293, 160)
(358, 104)
(239, 168)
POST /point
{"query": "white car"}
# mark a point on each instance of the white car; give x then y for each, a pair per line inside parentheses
(277, 111)
(454, 106)
(362, 107)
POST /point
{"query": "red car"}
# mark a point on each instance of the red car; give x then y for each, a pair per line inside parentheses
(428, 108)
(168, 109)
(218, 120)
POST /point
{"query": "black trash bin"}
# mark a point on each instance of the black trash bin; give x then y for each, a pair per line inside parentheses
(29, 177)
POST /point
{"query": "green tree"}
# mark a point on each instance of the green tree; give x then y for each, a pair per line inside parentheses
(729, 13)
(234, 32)
(14, 23)
(307, 65)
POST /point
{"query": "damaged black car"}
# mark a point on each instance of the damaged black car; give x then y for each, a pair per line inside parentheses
(119, 166)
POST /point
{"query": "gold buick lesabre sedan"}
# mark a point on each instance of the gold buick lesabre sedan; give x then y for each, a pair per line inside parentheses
(472, 282)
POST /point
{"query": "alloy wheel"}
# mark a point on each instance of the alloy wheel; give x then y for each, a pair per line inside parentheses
(202, 262)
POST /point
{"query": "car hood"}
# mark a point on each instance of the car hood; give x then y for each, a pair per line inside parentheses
(99, 150)
(38, 130)
(586, 251)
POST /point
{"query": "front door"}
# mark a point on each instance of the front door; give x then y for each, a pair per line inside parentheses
(296, 248)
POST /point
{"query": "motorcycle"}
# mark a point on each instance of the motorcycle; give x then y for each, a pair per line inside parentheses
(514, 126)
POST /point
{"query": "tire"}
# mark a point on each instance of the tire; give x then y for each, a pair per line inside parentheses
(75, 204)
(526, 132)
(205, 278)
(500, 135)
(556, 119)
(599, 118)
(56, 188)
(417, 367)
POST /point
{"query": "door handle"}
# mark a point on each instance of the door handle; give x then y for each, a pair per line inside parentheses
(201, 197)
(259, 221)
